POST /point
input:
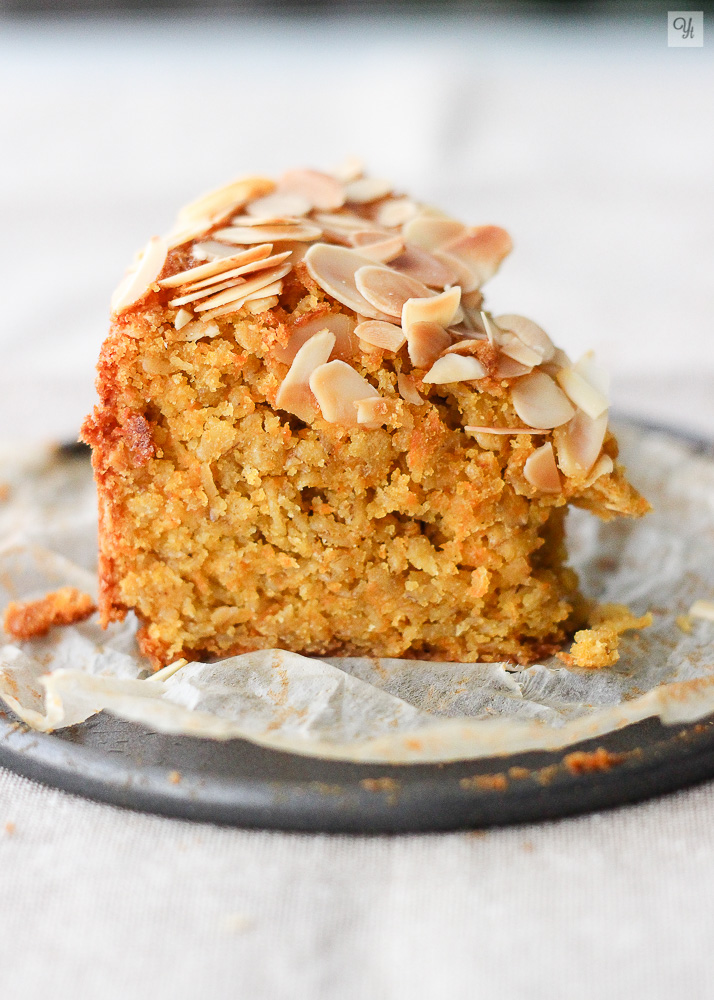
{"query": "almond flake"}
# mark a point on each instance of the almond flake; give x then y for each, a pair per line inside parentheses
(702, 609)
(183, 317)
(217, 267)
(334, 269)
(530, 334)
(539, 402)
(387, 290)
(425, 342)
(255, 306)
(596, 375)
(396, 212)
(279, 205)
(211, 250)
(337, 387)
(366, 190)
(294, 394)
(461, 274)
(541, 471)
(139, 281)
(603, 467)
(321, 190)
(580, 392)
(266, 291)
(250, 268)
(226, 198)
(441, 309)
(343, 221)
(454, 368)
(238, 221)
(373, 412)
(513, 347)
(481, 248)
(204, 292)
(243, 235)
(181, 234)
(502, 430)
(425, 267)
(198, 329)
(579, 443)
(246, 288)
(385, 335)
(349, 169)
(508, 368)
(377, 246)
(407, 390)
(430, 233)
(339, 324)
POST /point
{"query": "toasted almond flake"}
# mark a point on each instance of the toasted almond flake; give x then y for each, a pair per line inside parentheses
(441, 309)
(530, 334)
(430, 233)
(334, 269)
(385, 335)
(702, 609)
(349, 169)
(454, 368)
(226, 198)
(251, 221)
(407, 390)
(337, 387)
(339, 324)
(138, 282)
(268, 291)
(321, 190)
(501, 430)
(198, 329)
(279, 205)
(514, 348)
(387, 290)
(596, 375)
(183, 318)
(425, 342)
(603, 467)
(580, 392)
(432, 270)
(253, 284)
(373, 412)
(376, 246)
(541, 471)
(294, 394)
(204, 292)
(481, 248)
(539, 402)
(508, 368)
(211, 250)
(396, 211)
(367, 189)
(579, 443)
(217, 267)
(181, 234)
(344, 221)
(252, 267)
(245, 235)
(255, 306)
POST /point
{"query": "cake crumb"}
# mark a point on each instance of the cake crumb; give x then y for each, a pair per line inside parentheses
(32, 619)
(580, 762)
(10, 828)
(175, 777)
(596, 647)
(684, 622)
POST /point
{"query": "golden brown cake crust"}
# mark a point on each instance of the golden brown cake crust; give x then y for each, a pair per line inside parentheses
(32, 619)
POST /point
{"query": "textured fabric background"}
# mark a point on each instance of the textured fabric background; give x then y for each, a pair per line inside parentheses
(593, 145)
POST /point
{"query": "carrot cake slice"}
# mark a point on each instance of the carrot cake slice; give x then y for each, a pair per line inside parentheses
(312, 435)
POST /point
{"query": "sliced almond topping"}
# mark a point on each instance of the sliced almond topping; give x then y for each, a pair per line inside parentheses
(321, 190)
(441, 309)
(263, 304)
(430, 233)
(396, 212)
(373, 412)
(279, 205)
(502, 430)
(514, 348)
(339, 324)
(454, 368)
(376, 246)
(366, 189)
(425, 342)
(246, 288)
(539, 402)
(334, 269)
(603, 467)
(294, 394)
(426, 267)
(584, 395)
(468, 277)
(481, 248)
(185, 233)
(217, 267)
(344, 221)
(541, 471)
(212, 250)
(244, 235)
(251, 268)
(266, 291)
(407, 390)
(387, 290)
(530, 334)
(596, 375)
(138, 282)
(702, 609)
(183, 317)
(385, 335)
(204, 292)
(508, 368)
(579, 443)
(226, 198)
(337, 387)
(198, 329)
(349, 170)
(250, 221)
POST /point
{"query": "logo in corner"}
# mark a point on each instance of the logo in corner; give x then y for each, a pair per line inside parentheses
(685, 28)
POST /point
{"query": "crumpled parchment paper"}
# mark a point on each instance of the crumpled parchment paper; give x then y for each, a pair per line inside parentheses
(369, 709)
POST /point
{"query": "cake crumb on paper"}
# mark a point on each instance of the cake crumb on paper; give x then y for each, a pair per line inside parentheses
(32, 619)
(596, 646)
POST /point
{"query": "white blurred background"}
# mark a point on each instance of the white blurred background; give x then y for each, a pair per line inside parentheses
(590, 140)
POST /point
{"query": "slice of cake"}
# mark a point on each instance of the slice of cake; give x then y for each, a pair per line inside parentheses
(311, 436)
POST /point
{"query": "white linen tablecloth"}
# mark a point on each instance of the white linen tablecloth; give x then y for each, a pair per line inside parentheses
(593, 144)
